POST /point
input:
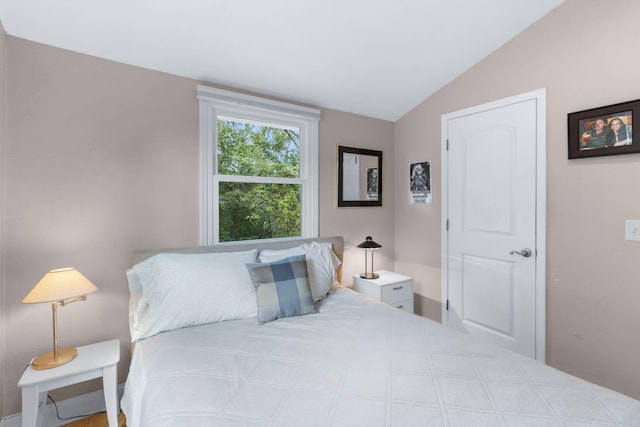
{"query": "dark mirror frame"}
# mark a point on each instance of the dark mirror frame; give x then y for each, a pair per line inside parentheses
(357, 203)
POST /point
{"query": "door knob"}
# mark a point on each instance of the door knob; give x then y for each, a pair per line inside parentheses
(526, 252)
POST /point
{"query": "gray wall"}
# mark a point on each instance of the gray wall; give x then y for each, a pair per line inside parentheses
(585, 54)
(101, 159)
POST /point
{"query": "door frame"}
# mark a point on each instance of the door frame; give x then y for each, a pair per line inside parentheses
(539, 96)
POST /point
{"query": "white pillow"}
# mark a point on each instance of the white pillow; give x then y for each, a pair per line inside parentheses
(180, 290)
(322, 265)
(135, 293)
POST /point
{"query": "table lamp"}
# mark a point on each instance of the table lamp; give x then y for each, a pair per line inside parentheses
(59, 287)
(369, 246)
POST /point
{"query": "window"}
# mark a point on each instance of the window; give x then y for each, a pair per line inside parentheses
(258, 168)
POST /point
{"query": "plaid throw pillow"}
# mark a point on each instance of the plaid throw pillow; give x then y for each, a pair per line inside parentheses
(282, 288)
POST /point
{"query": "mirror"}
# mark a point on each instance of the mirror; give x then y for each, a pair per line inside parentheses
(359, 177)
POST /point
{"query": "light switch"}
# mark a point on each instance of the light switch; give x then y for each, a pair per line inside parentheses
(632, 229)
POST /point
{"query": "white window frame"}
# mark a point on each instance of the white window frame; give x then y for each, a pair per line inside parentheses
(218, 102)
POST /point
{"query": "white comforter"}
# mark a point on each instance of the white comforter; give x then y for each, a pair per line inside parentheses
(355, 363)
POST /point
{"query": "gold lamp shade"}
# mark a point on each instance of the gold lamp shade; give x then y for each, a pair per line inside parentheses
(59, 287)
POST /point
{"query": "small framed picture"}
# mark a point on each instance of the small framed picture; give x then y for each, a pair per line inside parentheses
(420, 183)
(604, 131)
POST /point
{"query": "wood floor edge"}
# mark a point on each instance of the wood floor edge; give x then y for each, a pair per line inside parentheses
(98, 420)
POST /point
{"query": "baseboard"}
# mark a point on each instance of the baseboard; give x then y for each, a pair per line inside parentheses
(84, 404)
(11, 421)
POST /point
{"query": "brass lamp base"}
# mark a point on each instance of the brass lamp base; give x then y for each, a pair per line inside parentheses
(48, 360)
(369, 275)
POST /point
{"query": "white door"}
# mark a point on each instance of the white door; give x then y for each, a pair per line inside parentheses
(494, 206)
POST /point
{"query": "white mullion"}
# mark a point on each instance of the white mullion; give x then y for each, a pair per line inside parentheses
(258, 179)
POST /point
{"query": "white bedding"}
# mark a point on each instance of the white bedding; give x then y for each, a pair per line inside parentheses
(357, 362)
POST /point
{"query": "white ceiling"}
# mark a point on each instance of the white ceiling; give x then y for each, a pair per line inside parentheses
(379, 58)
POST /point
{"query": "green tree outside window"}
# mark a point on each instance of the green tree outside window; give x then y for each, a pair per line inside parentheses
(250, 210)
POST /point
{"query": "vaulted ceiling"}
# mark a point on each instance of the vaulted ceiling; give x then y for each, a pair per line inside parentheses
(378, 58)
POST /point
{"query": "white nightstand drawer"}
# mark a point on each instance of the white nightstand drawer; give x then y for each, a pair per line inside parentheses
(396, 292)
(404, 305)
(391, 288)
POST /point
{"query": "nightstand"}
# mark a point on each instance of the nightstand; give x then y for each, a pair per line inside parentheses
(392, 288)
(93, 361)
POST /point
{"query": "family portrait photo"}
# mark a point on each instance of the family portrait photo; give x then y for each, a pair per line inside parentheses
(603, 131)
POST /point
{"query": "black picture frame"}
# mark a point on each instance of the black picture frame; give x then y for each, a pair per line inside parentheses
(370, 177)
(604, 131)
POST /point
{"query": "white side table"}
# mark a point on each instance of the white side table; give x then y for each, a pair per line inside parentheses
(392, 288)
(93, 361)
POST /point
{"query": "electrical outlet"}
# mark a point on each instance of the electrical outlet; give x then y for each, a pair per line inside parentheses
(632, 229)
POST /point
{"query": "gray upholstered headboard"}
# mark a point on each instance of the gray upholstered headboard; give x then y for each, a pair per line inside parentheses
(337, 243)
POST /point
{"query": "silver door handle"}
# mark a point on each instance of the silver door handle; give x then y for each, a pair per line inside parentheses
(526, 252)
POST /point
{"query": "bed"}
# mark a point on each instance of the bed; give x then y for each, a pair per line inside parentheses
(351, 361)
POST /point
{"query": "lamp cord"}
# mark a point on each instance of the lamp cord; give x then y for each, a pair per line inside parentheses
(55, 405)
(75, 416)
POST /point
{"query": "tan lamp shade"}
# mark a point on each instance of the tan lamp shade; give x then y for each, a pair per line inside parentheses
(58, 285)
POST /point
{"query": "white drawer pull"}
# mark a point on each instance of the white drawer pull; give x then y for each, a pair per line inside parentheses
(398, 288)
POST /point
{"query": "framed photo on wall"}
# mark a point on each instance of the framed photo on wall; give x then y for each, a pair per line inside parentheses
(420, 183)
(604, 131)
